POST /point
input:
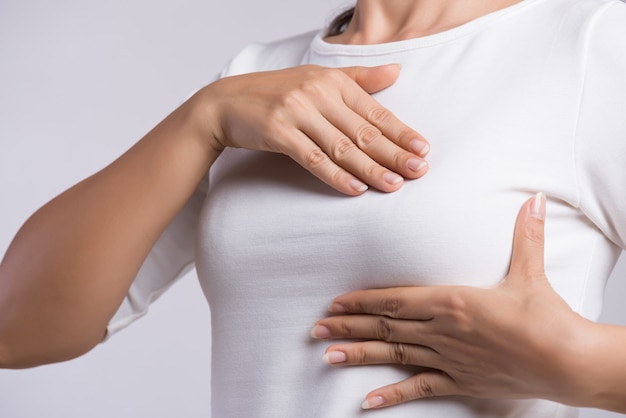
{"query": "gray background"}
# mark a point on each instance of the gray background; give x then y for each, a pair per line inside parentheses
(81, 81)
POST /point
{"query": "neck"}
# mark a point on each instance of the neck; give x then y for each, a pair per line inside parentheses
(380, 21)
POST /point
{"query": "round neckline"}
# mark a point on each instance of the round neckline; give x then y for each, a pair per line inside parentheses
(322, 47)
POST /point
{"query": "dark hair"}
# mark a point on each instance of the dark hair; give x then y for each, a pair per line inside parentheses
(339, 23)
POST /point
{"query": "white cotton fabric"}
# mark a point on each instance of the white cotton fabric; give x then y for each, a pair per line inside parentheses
(530, 98)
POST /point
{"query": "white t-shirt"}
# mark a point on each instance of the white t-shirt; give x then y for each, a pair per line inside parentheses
(529, 98)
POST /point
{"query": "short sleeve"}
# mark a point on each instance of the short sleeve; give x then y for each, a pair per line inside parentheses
(171, 258)
(173, 254)
(284, 53)
(601, 132)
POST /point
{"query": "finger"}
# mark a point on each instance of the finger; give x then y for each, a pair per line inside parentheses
(383, 169)
(379, 352)
(383, 137)
(424, 385)
(421, 303)
(527, 260)
(373, 79)
(373, 327)
(370, 80)
(386, 122)
(310, 156)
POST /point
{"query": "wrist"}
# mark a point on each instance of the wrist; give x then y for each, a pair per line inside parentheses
(203, 111)
(574, 358)
(601, 368)
(592, 367)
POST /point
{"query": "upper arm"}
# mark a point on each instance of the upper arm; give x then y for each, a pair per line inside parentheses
(171, 257)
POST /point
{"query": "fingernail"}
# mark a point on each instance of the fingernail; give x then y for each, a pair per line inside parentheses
(419, 147)
(334, 357)
(538, 208)
(358, 186)
(337, 308)
(320, 332)
(392, 178)
(373, 402)
(416, 165)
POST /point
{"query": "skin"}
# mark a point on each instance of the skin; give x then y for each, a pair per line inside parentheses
(88, 250)
(72, 263)
(378, 21)
(518, 340)
(506, 342)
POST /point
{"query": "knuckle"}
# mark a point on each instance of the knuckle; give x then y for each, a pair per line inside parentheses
(534, 235)
(315, 158)
(313, 87)
(356, 306)
(390, 307)
(406, 134)
(291, 100)
(345, 330)
(341, 148)
(423, 388)
(455, 303)
(336, 176)
(276, 114)
(366, 135)
(456, 300)
(372, 171)
(399, 354)
(334, 76)
(319, 81)
(282, 111)
(359, 356)
(398, 158)
(383, 329)
(379, 116)
(398, 395)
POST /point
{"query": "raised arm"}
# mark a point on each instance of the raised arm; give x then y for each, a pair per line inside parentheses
(71, 264)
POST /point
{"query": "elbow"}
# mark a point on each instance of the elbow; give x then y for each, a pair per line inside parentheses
(9, 358)
(24, 358)
(6, 361)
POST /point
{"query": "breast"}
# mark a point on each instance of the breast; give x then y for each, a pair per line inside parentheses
(275, 246)
(268, 220)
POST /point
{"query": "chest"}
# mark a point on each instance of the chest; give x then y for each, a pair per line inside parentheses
(495, 141)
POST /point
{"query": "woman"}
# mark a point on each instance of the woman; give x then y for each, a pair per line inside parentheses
(269, 271)
(519, 339)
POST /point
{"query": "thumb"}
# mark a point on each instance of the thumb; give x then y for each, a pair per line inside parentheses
(528, 242)
(373, 79)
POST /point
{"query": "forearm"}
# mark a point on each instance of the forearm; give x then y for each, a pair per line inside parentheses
(71, 264)
(599, 368)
